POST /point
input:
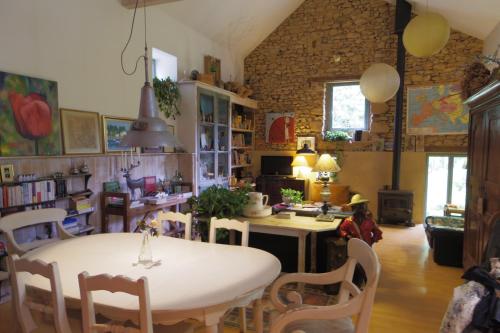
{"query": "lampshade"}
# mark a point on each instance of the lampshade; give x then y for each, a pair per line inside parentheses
(426, 34)
(326, 163)
(149, 130)
(305, 150)
(379, 83)
(300, 161)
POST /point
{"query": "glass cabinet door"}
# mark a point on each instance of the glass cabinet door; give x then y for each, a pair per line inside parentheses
(222, 110)
(207, 166)
(207, 107)
(223, 165)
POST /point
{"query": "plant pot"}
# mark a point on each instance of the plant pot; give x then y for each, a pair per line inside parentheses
(287, 200)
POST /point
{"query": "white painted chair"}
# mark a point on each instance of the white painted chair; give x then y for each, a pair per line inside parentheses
(10, 223)
(244, 228)
(120, 283)
(23, 305)
(166, 217)
(297, 317)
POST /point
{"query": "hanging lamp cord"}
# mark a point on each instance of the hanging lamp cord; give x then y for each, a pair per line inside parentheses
(130, 37)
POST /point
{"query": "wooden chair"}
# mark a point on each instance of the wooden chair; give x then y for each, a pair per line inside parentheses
(23, 305)
(244, 228)
(10, 223)
(333, 318)
(176, 217)
(123, 284)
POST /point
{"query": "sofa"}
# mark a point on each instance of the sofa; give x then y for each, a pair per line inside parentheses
(446, 237)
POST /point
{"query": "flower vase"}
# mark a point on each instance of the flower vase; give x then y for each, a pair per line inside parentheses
(145, 254)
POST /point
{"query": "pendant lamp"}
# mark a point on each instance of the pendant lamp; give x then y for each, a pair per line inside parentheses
(426, 34)
(148, 130)
(379, 83)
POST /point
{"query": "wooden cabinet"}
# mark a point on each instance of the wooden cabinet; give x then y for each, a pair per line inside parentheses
(483, 178)
(272, 185)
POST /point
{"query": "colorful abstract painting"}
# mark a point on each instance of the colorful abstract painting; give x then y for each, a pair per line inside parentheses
(29, 116)
(280, 127)
(436, 110)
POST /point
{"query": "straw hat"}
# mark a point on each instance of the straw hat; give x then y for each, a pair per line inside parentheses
(357, 199)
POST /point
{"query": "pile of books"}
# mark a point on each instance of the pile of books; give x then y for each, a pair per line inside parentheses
(71, 225)
(81, 204)
(27, 193)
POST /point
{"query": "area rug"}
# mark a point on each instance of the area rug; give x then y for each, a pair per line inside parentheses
(313, 295)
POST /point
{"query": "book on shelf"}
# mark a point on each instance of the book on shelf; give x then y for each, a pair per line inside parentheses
(27, 193)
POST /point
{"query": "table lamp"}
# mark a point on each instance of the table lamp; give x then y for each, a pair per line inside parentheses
(301, 163)
(325, 165)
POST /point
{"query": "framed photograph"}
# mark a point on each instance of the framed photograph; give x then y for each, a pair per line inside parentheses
(114, 129)
(29, 116)
(309, 140)
(436, 110)
(81, 132)
(7, 173)
(171, 130)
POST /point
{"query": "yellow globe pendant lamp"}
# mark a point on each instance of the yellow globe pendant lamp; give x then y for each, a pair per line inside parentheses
(379, 83)
(426, 34)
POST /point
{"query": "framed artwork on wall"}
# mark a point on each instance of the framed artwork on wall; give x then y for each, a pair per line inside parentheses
(29, 116)
(81, 132)
(436, 110)
(309, 140)
(280, 127)
(171, 130)
(7, 173)
(114, 129)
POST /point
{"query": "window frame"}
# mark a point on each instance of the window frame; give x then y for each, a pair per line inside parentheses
(328, 114)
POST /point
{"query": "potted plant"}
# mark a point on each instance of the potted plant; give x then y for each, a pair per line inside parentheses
(168, 96)
(336, 136)
(218, 202)
(291, 196)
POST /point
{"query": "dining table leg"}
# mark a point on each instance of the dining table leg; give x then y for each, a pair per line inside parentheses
(258, 314)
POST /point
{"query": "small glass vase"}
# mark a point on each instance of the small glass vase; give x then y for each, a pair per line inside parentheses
(145, 254)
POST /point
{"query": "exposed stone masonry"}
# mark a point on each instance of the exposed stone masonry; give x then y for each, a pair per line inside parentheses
(328, 40)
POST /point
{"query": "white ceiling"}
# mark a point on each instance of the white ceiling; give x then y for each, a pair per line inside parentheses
(244, 24)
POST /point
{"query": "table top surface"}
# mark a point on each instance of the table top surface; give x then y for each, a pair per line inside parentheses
(192, 275)
(297, 223)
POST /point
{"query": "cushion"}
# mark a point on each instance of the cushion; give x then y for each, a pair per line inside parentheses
(343, 325)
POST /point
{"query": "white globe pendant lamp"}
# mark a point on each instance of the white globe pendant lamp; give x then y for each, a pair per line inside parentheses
(379, 83)
(426, 34)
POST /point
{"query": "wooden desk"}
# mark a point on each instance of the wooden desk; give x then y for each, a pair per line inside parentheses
(127, 213)
(300, 227)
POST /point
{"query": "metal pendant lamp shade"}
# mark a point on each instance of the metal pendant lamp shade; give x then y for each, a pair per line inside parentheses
(149, 130)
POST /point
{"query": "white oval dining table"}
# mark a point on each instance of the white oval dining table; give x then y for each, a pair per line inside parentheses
(194, 279)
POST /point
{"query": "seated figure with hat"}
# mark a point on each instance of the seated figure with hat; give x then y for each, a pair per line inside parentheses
(361, 224)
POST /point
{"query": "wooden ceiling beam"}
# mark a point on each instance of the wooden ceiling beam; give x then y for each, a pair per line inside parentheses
(130, 4)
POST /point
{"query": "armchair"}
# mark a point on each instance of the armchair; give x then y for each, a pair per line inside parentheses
(296, 316)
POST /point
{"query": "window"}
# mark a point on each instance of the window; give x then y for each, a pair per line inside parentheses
(346, 108)
(446, 177)
(164, 65)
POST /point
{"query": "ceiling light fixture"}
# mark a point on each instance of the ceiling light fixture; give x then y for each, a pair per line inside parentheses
(148, 130)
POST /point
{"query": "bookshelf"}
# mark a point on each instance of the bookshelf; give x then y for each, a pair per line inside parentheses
(242, 139)
(70, 192)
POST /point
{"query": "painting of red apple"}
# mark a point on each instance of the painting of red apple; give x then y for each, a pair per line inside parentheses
(29, 116)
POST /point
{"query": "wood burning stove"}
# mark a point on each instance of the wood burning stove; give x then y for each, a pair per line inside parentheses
(395, 206)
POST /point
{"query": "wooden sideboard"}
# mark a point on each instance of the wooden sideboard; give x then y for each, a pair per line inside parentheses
(483, 172)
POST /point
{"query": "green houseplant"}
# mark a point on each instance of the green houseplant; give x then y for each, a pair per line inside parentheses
(336, 136)
(168, 96)
(218, 202)
(291, 196)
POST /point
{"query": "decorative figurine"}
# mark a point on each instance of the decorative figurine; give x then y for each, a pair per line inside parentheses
(84, 168)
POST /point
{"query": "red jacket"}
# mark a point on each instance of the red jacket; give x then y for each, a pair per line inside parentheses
(370, 232)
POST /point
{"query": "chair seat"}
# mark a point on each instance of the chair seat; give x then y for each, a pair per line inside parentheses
(182, 327)
(343, 325)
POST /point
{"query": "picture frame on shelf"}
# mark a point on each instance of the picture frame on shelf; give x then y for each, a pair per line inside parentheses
(309, 140)
(114, 129)
(7, 173)
(171, 130)
(81, 132)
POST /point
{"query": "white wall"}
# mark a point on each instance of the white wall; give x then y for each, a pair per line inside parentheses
(78, 44)
(492, 41)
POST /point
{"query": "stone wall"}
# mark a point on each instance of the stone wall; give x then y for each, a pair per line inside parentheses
(328, 40)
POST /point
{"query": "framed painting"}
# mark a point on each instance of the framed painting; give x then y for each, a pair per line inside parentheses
(114, 129)
(81, 132)
(29, 116)
(7, 173)
(309, 140)
(280, 127)
(436, 110)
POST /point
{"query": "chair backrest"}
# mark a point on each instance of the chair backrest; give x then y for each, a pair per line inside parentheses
(359, 252)
(176, 217)
(12, 222)
(23, 305)
(114, 284)
(243, 227)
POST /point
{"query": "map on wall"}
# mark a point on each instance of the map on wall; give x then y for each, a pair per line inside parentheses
(436, 110)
